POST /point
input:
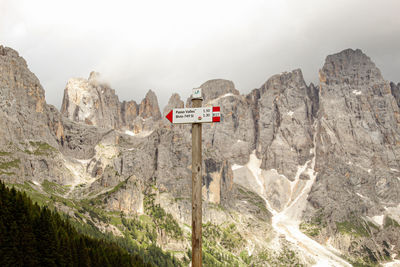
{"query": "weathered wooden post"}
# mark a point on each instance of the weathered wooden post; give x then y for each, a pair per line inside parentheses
(196, 188)
(196, 116)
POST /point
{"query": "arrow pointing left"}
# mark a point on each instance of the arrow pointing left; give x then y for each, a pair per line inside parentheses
(169, 115)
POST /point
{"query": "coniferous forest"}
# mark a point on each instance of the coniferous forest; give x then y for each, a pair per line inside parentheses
(31, 235)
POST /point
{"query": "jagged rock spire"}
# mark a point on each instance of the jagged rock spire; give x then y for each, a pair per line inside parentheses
(94, 102)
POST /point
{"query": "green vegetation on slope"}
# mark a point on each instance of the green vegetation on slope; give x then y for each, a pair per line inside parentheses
(314, 226)
(92, 211)
(223, 244)
(220, 242)
(162, 219)
(34, 236)
(54, 188)
(4, 153)
(6, 165)
(355, 227)
(141, 233)
(284, 257)
(40, 148)
(389, 222)
(88, 214)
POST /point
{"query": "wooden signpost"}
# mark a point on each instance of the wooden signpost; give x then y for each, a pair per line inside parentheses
(196, 116)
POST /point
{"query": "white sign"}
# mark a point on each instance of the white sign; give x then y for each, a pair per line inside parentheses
(196, 93)
(194, 115)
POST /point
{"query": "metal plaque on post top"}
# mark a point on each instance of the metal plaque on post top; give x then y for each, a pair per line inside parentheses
(196, 93)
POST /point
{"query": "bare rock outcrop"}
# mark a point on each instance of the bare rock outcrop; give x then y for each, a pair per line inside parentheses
(173, 102)
(94, 102)
(34, 135)
(395, 92)
(149, 107)
(213, 89)
(359, 128)
(129, 112)
(358, 139)
(285, 121)
(22, 101)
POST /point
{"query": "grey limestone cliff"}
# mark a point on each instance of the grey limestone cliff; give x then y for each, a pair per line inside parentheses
(94, 102)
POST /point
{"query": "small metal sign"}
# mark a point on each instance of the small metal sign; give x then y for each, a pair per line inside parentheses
(196, 93)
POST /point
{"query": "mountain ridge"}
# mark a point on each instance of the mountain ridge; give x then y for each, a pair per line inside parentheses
(329, 150)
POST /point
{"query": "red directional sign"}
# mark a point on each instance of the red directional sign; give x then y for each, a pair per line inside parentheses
(194, 115)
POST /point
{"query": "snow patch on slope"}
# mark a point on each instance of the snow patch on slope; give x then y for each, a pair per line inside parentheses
(395, 263)
(78, 167)
(129, 133)
(213, 101)
(140, 134)
(79, 174)
(286, 222)
(254, 166)
(378, 219)
(236, 167)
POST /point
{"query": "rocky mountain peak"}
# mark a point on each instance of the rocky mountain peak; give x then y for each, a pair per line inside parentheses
(129, 111)
(16, 80)
(94, 75)
(149, 106)
(10, 53)
(280, 82)
(96, 79)
(349, 67)
(213, 89)
(173, 102)
(91, 101)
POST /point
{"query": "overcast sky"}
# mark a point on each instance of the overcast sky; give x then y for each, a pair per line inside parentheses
(173, 46)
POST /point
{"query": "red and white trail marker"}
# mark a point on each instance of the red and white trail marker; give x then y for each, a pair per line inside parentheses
(194, 115)
(216, 111)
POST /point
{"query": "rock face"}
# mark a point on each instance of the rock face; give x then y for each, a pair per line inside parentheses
(22, 99)
(93, 102)
(359, 126)
(326, 155)
(173, 102)
(32, 132)
(396, 92)
(129, 112)
(285, 123)
(24, 121)
(149, 107)
(213, 89)
(358, 144)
